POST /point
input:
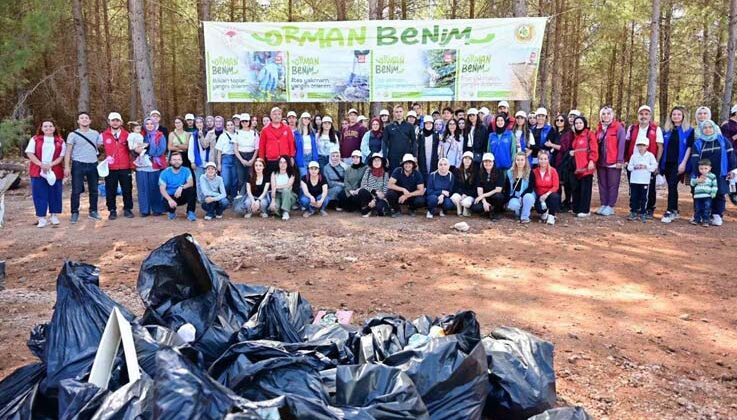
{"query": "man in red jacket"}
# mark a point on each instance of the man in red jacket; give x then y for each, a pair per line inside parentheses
(115, 142)
(276, 140)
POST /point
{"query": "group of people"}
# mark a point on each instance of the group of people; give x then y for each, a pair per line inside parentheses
(470, 161)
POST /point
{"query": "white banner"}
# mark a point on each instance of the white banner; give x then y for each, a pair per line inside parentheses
(355, 61)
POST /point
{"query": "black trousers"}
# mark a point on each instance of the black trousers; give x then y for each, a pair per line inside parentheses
(672, 177)
(348, 202)
(124, 178)
(582, 195)
(81, 172)
(497, 202)
(413, 203)
(381, 206)
(638, 198)
(553, 203)
(188, 197)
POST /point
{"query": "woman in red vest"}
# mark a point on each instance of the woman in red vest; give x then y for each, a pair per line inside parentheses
(611, 136)
(46, 152)
(585, 154)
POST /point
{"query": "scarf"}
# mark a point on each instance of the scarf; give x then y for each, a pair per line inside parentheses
(499, 130)
(426, 132)
(714, 135)
(379, 132)
(377, 172)
(196, 144)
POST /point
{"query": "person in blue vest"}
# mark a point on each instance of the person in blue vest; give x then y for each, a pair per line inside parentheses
(676, 159)
(712, 145)
(502, 143)
(544, 134)
(440, 186)
(200, 150)
(305, 142)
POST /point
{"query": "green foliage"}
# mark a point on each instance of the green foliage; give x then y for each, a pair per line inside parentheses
(13, 135)
(28, 29)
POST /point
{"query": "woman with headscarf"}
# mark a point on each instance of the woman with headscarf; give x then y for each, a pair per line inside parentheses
(352, 184)
(440, 185)
(563, 162)
(374, 184)
(585, 154)
(676, 157)
(611, 136)
(427, 148)
(712, 145)
(502, 143)
(450, 146)
(372, 141)
(147, 177)
(520, 187)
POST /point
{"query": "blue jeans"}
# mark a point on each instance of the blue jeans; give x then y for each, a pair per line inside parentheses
(198, 172)
(229, 173)
(81, 172)
(46, 198)
(149, 195)
(247, 202)
(216, 207)
(304, 202)
(432, 203)
(522, 207)
(703, 209)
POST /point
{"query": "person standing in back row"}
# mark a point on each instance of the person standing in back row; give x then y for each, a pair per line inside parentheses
(276, 140)
(115, 142)
(646, 129)
(351, 137)
(80, 162)
(399, 138)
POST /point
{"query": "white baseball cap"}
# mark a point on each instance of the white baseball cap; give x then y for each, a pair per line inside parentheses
(356, 153)
(313, 164)
(245, 117)
(467, 154)
(236, 116)
(642, 140)
(484, 110)
(115, 116)
(575, 112)
(189, 117)
(327, 119)
(210, 165)
(305, 115)
(472, 111)
(503, 103)
(487, 156)
(541, 111)
(291, 114)
(361, 118)
(150, 114)
(50, 177)
(412, 114)
(352, 111)
(384, 112)
(644, 108)
(522, 114)
(276, 108)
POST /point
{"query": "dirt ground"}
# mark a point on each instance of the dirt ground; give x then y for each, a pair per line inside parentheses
(642, 315)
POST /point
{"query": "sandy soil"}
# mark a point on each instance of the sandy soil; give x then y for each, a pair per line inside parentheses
(642, 315)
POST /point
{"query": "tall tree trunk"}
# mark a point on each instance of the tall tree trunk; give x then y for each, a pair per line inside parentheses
(652, 56)
(620, 83)
(404, 9)
(290, 11)
(203, 11)
(557, 52)
(717, 74)
(577, 65)
(520, 10)
(471, 9)
(665, 62)
(731, 49)
(453, 9)
(83, 100)
(609, 90)
(630, 64)
(133, 95)
(542, 83)
(173, 78)
(706, 87)
(143, 60)
(108, 53)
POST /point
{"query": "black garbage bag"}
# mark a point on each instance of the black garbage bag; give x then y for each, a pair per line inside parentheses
(178, 284)
(37, 341)
(281, 316)
(256, 372)
(464, 326)
(18, 391)
(183, 391)
(423, 324)
(520, 372)
(452, 383)
(79, 318)
(79, 400)
(377, 392)
(133, 400)
(563, 413)
(382, 336)
(151, 338)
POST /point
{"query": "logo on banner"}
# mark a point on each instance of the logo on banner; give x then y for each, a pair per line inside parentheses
(524, 33)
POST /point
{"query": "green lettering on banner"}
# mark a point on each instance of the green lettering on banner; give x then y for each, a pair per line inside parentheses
(239, 95)
(294, 35)
(431, 35)
(492, 94)
(357, 37)
(386, 35)
(400, 95)
(409, 36)
(334, 35)
(272, 38)
(455, 33)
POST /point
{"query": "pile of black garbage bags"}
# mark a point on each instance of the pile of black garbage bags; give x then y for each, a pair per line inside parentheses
(255, 353)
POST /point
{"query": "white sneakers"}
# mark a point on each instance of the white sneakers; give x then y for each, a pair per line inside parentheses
(429, 215)
(441, 214)
(583, 214)
(285, 215)
(54, 220)
(604, 211)
(42, 222)
(550, 220)
(669, 216)
(716, 220)
(544, 216)
(466, 212)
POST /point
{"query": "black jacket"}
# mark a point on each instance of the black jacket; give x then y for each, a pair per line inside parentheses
(421, 160)
(480, 141)
(399, 138)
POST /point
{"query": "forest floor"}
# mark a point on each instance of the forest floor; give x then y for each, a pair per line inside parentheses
(642, 316)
